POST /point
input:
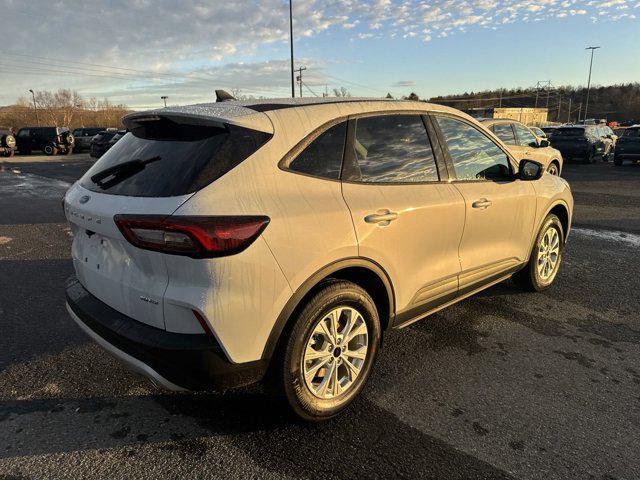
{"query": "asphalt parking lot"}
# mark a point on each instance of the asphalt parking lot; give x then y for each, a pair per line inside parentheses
(503, 385)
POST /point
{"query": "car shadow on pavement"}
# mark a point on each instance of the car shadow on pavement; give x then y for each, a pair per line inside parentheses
(367, 441)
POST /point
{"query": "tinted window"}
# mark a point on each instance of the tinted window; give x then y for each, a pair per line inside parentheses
(24, 132)
(164, 159)
(632, 132)
(474, 155)
(525, 137)
(392, 149)
(568, 132)
(505, 133)
(77, 132)
(323, 156)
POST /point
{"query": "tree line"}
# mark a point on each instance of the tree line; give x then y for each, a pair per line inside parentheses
(63, 108)
(615, 102)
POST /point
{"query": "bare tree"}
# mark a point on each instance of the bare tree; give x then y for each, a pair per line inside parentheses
(341, 92)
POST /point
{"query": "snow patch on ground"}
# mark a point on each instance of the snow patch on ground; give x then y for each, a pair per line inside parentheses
(4, 240)
(623, 237)
(30, 185)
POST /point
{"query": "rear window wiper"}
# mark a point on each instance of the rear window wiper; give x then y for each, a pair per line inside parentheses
(116, 174)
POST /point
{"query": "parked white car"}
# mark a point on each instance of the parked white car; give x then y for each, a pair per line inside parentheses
(218, 244)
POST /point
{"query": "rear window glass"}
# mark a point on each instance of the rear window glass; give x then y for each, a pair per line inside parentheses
(568, 132)
(104, 136)
(165, 159)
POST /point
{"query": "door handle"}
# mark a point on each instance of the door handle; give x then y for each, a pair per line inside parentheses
(381, 217)
(482, 203)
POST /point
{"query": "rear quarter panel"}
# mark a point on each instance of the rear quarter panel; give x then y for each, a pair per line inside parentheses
(310, 227)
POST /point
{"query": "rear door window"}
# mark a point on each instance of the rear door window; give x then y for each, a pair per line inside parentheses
(323, 156)
(164, 158)
(504, 131)
(392, 149)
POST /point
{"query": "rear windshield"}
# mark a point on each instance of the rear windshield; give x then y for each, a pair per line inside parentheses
(104, 136)
(632, 132)
(568, 132)
(165, 159)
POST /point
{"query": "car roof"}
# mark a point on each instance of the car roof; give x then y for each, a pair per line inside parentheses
(256, 114)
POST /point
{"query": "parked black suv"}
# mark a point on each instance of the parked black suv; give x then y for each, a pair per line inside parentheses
(104, 140)
(586, 142)
(51, 140)
(83, 136)
(7, 143)
(628, 146)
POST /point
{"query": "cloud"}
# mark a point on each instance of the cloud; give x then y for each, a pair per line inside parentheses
(156, 43)
(404, 83)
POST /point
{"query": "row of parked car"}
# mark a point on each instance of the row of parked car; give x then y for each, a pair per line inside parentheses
(59, 140)
(593, 142)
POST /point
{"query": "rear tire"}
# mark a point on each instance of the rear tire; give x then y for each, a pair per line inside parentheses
(545, 259)
(50, 150)
(318, 371)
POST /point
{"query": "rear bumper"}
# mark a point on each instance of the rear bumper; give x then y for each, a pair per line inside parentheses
(172, 360)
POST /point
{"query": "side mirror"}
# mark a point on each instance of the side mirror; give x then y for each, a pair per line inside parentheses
(544, 143)
(530, 170)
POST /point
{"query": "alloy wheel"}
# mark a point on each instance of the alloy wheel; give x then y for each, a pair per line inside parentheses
(548, 253)
(335, 353)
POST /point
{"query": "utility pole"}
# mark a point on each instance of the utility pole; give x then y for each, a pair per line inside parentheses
(164, 98)
(299, 77)
(579, 111)
(35, 107)
(586, 106)
(293, 85)
(559, 106)
(569, 112)
(500, 101)
(548, 95)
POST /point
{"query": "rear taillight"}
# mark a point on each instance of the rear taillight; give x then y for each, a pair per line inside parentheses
(196, 237)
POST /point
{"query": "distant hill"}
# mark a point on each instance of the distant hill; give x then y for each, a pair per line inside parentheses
(615, 102)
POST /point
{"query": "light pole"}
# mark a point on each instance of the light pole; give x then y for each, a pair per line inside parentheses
(293, 84)
(35, 107)
(586, 105)
(164, 98)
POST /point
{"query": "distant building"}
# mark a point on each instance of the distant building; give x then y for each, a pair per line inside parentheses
(529, 116)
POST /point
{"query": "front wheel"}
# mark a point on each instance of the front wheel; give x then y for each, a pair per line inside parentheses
(545, 259)
(329, 353)
(553, 169)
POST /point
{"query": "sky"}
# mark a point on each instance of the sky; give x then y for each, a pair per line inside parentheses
(136, 51)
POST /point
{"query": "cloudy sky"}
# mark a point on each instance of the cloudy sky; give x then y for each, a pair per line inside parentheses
(137, 50)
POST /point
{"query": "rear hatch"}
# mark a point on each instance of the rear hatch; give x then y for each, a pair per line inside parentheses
(629, 142)
(569, 139)
(152, 170)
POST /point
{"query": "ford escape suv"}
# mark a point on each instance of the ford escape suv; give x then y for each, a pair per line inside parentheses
(524, 143)
(217, 245)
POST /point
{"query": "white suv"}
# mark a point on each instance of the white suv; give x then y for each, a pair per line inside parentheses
(216, 245)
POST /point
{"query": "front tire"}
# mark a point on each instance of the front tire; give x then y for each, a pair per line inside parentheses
(545, 258)
(329, 352)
